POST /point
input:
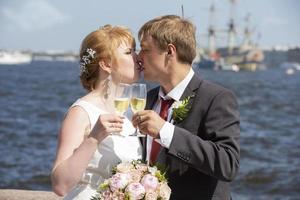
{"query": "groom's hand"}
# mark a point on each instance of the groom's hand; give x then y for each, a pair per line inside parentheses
(148, 122)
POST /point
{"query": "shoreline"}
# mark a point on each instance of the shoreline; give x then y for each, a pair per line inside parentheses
(17, 194)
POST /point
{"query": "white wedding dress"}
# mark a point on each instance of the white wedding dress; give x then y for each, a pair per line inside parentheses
(111, 151)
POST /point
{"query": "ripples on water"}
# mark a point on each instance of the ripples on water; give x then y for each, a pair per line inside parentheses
(35, 97)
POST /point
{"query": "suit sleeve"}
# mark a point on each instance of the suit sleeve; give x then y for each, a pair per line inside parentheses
(218, 154)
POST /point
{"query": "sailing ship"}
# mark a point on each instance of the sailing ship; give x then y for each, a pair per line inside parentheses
(246, 56)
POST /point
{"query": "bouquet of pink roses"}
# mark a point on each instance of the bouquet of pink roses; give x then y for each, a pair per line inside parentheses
(134, 180)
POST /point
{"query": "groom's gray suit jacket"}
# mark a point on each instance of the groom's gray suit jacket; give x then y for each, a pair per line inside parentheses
(203, 157)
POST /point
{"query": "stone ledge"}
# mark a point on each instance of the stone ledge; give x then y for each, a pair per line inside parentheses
(12, 194)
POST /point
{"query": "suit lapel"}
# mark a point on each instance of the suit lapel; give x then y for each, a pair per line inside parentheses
(190, 90)
(152, 98)
(191, 87)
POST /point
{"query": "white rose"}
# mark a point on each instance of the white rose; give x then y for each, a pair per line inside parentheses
(124, 167)
(164, 191)
(176, 104)
(151, 196)
(152, 170)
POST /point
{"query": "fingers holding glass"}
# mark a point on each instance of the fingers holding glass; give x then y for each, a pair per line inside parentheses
(106, 125)
(114, 128)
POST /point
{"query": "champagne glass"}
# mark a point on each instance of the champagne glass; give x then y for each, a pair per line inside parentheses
(138, 101)
(122, 97)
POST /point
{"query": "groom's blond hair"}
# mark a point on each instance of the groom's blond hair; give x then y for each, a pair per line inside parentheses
(172, 29)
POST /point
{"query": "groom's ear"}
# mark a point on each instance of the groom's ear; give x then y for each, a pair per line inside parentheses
(105, 65)
(171, 50)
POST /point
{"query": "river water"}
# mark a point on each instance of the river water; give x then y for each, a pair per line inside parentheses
(35, 97)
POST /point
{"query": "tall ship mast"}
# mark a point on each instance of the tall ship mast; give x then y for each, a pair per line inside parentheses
(234, 56)
(211, 32)
(231, 28)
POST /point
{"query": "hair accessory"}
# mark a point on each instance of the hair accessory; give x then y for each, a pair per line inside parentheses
(87, 59)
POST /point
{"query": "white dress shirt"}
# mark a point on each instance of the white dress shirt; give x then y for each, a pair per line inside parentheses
(167, 131)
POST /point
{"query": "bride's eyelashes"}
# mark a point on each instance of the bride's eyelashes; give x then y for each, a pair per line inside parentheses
(129, 51)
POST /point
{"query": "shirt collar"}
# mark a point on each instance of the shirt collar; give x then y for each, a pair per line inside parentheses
(178, 90)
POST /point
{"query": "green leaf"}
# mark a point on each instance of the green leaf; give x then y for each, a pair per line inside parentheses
(181, 112)
(104, 185)
(95, 198)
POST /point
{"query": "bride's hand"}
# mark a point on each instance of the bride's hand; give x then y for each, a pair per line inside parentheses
(105, 125)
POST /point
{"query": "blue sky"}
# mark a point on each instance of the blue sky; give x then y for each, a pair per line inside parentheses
(62, 24)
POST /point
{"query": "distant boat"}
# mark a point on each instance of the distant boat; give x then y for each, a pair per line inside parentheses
(290, 67)
(14, 57)
(290, 71)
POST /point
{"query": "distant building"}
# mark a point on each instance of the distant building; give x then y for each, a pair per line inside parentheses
(276, 56)
(294, 55)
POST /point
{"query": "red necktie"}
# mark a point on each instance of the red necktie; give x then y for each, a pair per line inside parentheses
(165, 105)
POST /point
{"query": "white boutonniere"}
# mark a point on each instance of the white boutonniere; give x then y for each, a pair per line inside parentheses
(181, 109)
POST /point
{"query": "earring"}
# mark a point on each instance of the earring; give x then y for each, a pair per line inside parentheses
(106, 87)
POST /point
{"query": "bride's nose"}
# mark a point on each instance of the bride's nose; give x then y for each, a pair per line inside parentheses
(135, 57)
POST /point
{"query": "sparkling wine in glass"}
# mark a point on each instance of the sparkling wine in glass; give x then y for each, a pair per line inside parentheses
(138, 101)
(122, 97)
(121, 105)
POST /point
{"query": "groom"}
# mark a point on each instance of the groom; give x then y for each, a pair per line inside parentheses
(197, 139)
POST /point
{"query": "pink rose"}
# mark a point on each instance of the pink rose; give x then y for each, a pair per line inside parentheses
(118, 181)
(150, 182)
(135, 191)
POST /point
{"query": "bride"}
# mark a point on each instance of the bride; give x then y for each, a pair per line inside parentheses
(91, 139)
